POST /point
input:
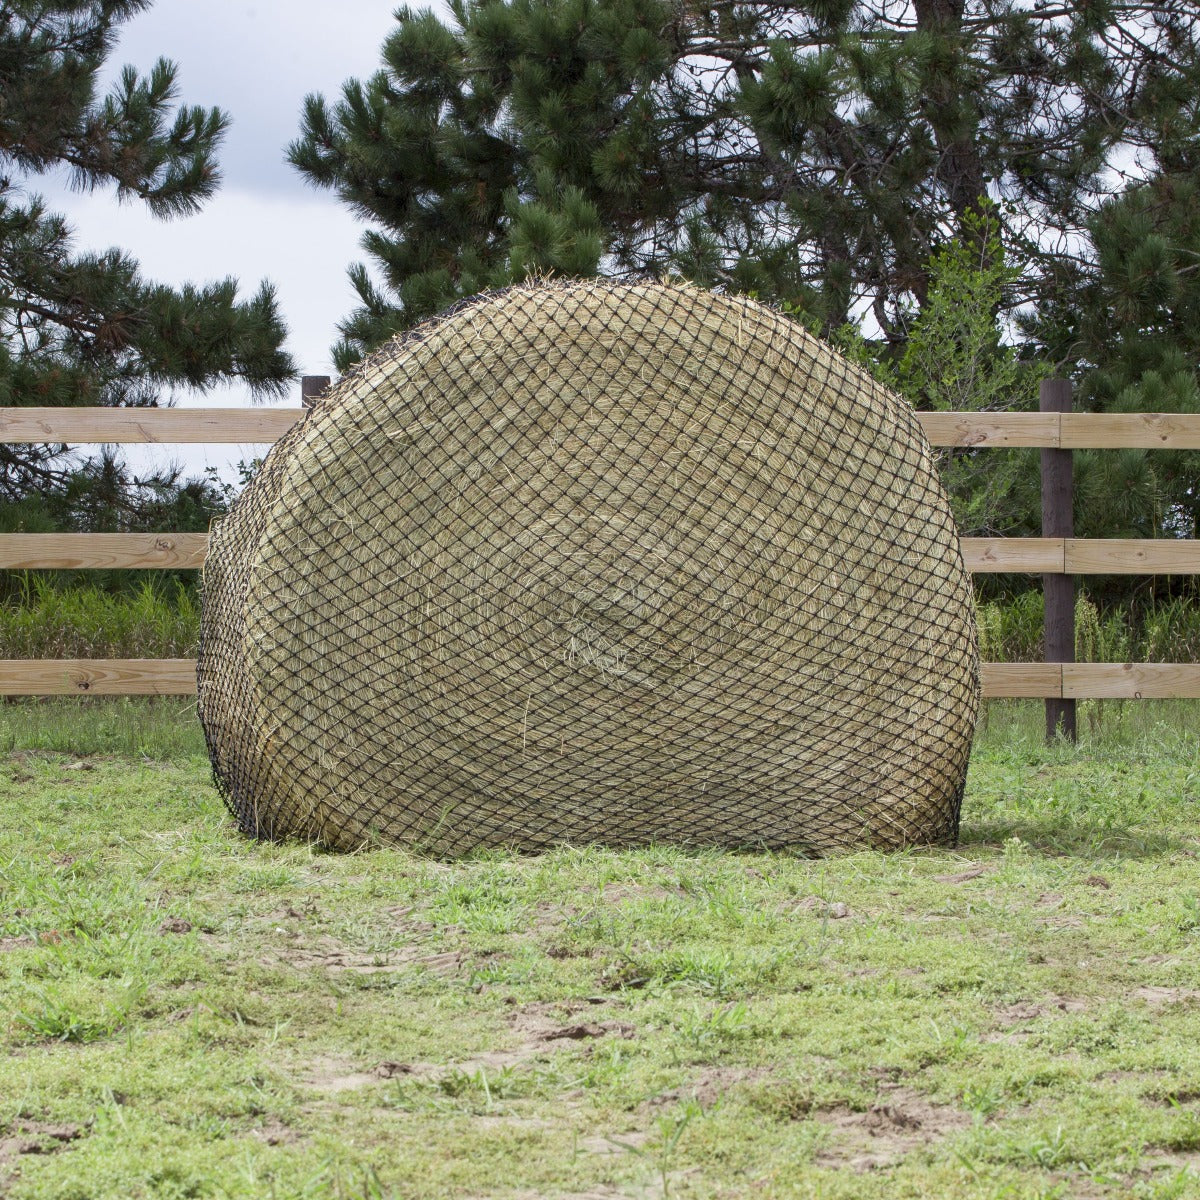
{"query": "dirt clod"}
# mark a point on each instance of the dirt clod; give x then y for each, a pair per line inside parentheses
(392, 1070)
(886, 1132)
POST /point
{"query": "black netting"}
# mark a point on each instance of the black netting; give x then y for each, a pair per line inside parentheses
(594, 562)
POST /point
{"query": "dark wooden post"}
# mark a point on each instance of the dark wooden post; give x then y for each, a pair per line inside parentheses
(1058, 521)
(312, 388)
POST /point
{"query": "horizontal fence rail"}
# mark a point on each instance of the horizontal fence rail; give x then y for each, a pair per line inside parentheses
(97, 551)
(97, 676)
(180, 426)
(1054, 556)
(177, 677)
(983, 556)
(139, 426)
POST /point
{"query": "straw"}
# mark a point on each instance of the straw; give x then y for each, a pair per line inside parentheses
(594, 562)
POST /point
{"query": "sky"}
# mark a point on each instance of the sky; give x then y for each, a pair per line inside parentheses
(256, 59)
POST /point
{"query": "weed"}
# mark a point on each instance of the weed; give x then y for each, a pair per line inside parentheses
(703, 1033)
(663, 1149)
(71, 1018)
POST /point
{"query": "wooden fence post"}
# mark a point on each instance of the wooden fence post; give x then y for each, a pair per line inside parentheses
(312, 388)
(1058, 521)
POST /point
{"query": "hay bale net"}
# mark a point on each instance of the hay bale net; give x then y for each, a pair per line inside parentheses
(594, 562)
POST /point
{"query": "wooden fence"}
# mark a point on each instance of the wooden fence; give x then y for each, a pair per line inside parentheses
(1057, 557)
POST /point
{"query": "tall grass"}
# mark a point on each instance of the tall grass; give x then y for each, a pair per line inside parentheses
(1172, 632)
(1162, 631)
(85, 621)
(158, 619)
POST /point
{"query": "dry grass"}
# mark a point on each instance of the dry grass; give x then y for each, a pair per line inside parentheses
(586, 563)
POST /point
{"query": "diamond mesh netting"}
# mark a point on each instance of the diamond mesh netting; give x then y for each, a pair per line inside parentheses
(594, 562)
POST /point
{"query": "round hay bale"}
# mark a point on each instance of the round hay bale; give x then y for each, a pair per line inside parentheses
(594, 562)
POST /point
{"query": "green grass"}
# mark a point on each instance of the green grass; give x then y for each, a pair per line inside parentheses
(86, 621)
(161, 728)
(189, 1014)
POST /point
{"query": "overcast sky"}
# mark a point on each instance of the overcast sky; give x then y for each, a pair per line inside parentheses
(256, 59)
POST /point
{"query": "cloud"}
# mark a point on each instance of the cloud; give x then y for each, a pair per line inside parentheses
(257, 61)
(301, 243)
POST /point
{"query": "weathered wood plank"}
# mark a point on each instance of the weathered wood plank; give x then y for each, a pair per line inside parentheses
(75, 551)
(993, 555)
(1131, 681)
(1077, 556)
(1074, 431)
(990, 429)
(1016, 680)
(177, 677)
(1066, 431)
(98, 677)
(90, 426)
(1132, 556)
(1114, 431)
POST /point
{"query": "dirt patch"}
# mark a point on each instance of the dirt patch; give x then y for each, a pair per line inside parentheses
(1175, 1160)
(1068, 921)
(15, 943)
(36, 1137)
(333, 1075)
(617, 1143)
(1014, 1019)
(710, 1085)
(540, 1027)
(613, 891)
(833, 910)
(902, 1121)
(1174, 1097)
(597, 1193)
(972, 872)
(539, 1035)
(1028, 1010)
(273, 1132)
(1080, 1187)
(1158, 997)
(556, 1010)
(328, 954)
(402, 917)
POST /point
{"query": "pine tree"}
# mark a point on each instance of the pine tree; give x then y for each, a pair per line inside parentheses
(817, 153)
(85, 328)
(1136, 327)
(954, 359)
